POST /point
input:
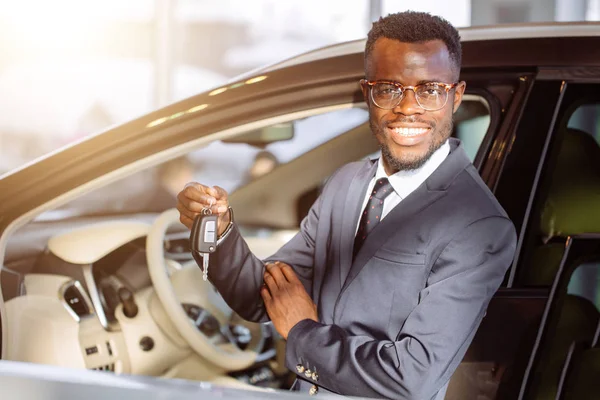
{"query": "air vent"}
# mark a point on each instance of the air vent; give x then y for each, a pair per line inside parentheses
(75, 299)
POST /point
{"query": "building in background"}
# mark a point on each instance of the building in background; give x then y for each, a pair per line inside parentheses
(70, 68)
(491, 12)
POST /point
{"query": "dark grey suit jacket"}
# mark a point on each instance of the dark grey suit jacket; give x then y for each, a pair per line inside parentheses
(397, 320)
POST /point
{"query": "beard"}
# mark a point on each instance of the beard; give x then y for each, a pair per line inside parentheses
(439, 136)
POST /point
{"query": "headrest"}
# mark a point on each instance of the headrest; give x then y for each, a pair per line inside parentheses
(573, 202)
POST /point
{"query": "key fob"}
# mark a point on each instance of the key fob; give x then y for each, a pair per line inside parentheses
(203, 237)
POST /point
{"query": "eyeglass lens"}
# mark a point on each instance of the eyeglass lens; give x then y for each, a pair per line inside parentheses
(429, 96)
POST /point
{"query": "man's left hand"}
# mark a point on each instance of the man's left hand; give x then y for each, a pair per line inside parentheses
(285, 298)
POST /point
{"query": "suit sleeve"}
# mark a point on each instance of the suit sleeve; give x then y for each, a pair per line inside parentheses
(435, 336)
(238, 274)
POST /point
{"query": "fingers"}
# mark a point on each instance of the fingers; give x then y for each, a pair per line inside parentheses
(289, 273)
(273, 270)
(270, 283)
(222, 203)
(282, 272)
(272, 277)
(195, 197)
(218, 192)
(264, 292)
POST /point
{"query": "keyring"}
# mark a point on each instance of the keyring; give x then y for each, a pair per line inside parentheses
(207, 210)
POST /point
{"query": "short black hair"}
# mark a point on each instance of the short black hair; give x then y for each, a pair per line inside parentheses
(416, 27)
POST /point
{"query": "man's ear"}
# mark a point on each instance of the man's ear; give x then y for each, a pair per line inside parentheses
(365, 90)
(459, 91)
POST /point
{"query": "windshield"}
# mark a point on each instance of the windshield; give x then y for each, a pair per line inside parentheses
(230, 164)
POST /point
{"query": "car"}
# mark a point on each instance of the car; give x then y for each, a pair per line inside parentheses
(97, 272)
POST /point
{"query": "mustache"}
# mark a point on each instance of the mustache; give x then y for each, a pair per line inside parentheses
(410, 120)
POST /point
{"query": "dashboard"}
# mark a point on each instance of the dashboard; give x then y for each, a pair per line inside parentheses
(80, 295)
(72, 302)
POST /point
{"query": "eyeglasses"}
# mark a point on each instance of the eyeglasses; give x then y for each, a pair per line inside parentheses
(431, 96)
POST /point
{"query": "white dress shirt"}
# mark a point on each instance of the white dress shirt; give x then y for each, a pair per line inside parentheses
(404, 182)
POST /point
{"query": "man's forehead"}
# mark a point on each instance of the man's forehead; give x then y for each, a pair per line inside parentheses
(392, 56)
(385, 46)
(415, 58)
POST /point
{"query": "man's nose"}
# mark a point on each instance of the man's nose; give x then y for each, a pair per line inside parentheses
(408, 105)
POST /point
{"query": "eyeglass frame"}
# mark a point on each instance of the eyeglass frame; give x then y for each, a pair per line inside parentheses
(403, 88)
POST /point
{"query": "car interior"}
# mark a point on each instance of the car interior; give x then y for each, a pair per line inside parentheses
(545, 330)
(579, 374)
(569, 331)
(569, 210)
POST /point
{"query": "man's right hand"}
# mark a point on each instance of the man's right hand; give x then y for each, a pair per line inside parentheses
(195, 197)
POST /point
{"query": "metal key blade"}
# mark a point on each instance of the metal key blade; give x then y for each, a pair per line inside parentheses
(205, 266)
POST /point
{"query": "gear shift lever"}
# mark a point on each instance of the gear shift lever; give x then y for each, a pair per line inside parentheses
(130, 309)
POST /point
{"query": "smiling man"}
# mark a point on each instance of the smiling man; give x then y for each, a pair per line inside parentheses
(412, 87)
(383, 288)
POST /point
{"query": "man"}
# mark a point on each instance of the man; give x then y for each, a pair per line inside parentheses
(370, 308)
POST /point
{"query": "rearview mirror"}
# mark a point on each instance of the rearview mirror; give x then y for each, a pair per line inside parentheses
(267, 135)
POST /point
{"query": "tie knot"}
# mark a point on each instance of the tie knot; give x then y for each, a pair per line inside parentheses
(382, 188)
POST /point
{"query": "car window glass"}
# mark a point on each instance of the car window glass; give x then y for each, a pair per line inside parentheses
(585, 283)
(471, 123)
(586, 118)
(569, 203)
(229, 165)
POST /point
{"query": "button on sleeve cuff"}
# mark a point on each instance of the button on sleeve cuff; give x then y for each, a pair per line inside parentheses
(296, 350)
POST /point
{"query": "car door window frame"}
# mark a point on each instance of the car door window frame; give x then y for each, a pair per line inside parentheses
(505, 92)
(572, 94)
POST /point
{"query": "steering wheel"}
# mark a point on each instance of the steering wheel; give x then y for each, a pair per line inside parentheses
(209, 335)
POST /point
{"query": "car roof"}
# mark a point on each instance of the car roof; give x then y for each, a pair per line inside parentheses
(470, 34)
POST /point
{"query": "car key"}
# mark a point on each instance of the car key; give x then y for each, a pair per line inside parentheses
(203, 238)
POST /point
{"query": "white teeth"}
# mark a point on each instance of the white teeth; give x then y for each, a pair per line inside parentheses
(410, 131)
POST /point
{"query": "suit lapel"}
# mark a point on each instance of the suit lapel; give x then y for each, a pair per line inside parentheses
(430, 191)
(352, 208)
(417, 201)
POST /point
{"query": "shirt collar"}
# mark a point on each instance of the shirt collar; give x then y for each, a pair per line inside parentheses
(405, 182)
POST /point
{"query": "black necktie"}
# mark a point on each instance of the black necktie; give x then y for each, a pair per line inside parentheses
(372, 213)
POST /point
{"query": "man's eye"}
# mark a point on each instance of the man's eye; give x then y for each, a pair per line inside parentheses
(433, 90)
(387, 90)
